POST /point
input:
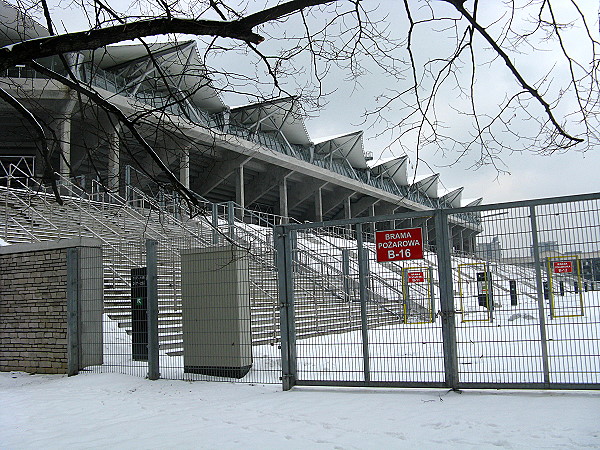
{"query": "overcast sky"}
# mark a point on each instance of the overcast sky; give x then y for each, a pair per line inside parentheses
(524, 175)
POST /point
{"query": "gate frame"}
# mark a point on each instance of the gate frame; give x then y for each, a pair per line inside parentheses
(283, 235)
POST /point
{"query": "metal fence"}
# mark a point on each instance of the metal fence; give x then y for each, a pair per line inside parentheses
(512, 301)
(179, 309)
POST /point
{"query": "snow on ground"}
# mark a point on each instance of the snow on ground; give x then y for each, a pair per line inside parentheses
(120, 411)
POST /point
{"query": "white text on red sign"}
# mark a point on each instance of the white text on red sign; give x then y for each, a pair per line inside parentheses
(416, 277)
(398, 245)
(563, 266)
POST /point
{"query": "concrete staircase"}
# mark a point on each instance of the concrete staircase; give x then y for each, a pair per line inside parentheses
(32, 215)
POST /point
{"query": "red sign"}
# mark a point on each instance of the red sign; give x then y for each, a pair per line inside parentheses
(415, 277)
(399, 245)
(563, 266)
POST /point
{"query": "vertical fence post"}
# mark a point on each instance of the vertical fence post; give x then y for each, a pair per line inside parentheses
(231, 219)
(72, 311)
(363, 295)
(283, 249)
(446, 299)
(405, 295)
(215, 223)
(548, 285)
(346, 273)
(431, 294)
(152, 292)
(128, 184)
(540, 294)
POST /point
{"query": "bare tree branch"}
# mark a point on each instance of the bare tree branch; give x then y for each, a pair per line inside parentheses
(459, 5)
(123, 119)
(41, 139)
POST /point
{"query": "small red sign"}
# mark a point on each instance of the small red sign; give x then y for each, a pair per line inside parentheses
(415, 277)
(399, 245)
(563, 266)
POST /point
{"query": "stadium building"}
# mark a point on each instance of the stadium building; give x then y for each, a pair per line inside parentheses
(258, 155)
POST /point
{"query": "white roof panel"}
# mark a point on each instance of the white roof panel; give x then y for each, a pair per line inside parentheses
(181, 61)
(452, 196)
(275, 115)
(428, 185)
(347, 146)
(16, 26)
(394, 168)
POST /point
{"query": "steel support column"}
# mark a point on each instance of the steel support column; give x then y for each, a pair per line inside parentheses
(72, 311)
(363, 279)
(283, 249)
(152, 293)
(446, 299)
(540, 294)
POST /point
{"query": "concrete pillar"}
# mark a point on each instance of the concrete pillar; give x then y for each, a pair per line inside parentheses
(114, 159)
(347, 209)
(64, 138)
(240, 197)
(348, 214)
(318, 205)
(184, 168)
(372, 210)
(394, 222)
(372, 214)
(283, 200)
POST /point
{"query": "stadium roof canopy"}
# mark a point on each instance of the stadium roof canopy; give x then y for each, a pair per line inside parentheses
(179, 66)
(452, 196)
(281, 115)
(347, 147)
(394, 168)
(428, 185)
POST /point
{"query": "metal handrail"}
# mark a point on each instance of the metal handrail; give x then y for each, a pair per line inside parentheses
(31, 235)
(338, 273)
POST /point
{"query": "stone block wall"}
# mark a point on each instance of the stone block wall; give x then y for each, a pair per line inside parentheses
(33, 311)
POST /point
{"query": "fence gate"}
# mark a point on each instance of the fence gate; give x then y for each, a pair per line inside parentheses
(492, 296)
(351, 320)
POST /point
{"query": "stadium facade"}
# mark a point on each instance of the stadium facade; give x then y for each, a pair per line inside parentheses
(258, 155)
